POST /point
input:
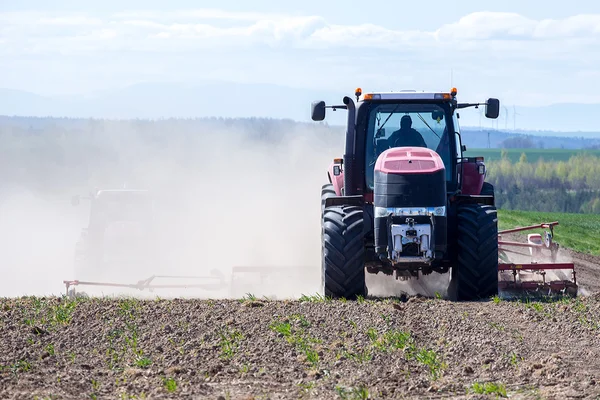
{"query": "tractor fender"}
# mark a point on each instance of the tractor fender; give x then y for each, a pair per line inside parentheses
(472, 180)
(336, 180)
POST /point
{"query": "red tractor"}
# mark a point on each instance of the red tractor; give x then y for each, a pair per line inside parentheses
(404, 200)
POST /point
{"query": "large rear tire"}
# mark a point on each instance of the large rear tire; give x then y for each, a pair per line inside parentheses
(343, 252)
(475, 275)
(327, 191)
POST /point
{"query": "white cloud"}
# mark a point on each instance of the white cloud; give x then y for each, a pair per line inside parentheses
(488, 25)
(72, 20)
(489, 51)
(205, 28)
(199, 14)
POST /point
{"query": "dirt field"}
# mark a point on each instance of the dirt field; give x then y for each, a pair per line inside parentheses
(259, 348)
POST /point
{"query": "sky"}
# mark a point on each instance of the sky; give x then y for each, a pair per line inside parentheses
(526, 53)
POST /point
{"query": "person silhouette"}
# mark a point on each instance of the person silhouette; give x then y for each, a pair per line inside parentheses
(406, 136)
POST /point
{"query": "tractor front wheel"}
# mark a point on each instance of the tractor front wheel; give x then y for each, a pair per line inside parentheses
(475, 274)
(343, 252)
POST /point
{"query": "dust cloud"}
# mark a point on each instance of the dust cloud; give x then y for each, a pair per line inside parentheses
(220, 201)
(431, 285)
(36, 244)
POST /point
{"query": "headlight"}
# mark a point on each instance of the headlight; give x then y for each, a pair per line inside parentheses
(381, 212)
(440, 211)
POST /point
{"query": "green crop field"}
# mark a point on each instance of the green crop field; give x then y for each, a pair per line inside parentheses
(532, 154)
(579, 232)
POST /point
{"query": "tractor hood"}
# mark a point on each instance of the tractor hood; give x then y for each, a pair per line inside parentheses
(409, 177)
(412, 160)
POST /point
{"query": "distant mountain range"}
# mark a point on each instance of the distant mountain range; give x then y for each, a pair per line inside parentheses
(231, 100)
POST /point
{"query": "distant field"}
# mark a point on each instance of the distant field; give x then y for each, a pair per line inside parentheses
(580, 232)
(532, 154)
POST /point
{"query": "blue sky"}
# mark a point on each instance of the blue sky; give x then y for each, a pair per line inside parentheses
(524, 52)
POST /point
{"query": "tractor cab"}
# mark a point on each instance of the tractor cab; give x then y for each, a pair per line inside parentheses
(380, 121)
(121, 206)
(120, 230)
(404, 124)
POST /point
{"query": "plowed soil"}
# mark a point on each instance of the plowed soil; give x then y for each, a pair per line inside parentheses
(56, 348)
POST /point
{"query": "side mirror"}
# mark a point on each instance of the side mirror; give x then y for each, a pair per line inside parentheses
(75, 200)
(492, 108)
(317, 110)
(437, 115)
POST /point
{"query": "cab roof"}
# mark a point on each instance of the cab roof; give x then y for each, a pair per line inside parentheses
(406, 95)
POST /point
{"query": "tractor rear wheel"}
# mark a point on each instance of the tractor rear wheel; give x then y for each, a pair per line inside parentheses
(343, 252)
(327, 191)
(475, 275)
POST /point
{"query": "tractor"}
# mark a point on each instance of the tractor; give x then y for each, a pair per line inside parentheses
(119, 235)
(404, 200)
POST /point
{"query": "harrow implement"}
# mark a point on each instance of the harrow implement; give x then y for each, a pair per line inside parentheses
(218, 283)
(522, 266)
(536, 269)
(243, 280)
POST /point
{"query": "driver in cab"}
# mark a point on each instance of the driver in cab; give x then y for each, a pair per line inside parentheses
(406, 136)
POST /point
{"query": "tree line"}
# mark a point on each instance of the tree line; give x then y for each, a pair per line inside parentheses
(554, 186)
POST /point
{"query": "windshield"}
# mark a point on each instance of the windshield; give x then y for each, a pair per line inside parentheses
(398, 125)
(122, 206)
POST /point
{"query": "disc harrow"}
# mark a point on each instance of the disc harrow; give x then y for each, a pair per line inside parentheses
(534, 265)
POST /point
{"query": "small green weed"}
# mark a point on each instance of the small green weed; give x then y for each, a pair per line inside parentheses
(20, 366)
(230, 342)
(248, 297)
(489, 388)
(306, 387)
(283, 328)
(387, 319)
(537, 307)
(311, 356)
(361, 356)
(355, 393)
(372, 334)
(95, 387)
(430, 359)
(143, 362)
(295, 335)
(316, 298)
(170, 384)
(300, 319)
(393, 340)
(245, 368)
(352, 323)
(514, 359)
(497, 326)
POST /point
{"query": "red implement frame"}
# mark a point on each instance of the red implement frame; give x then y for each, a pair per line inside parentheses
(535, 267)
